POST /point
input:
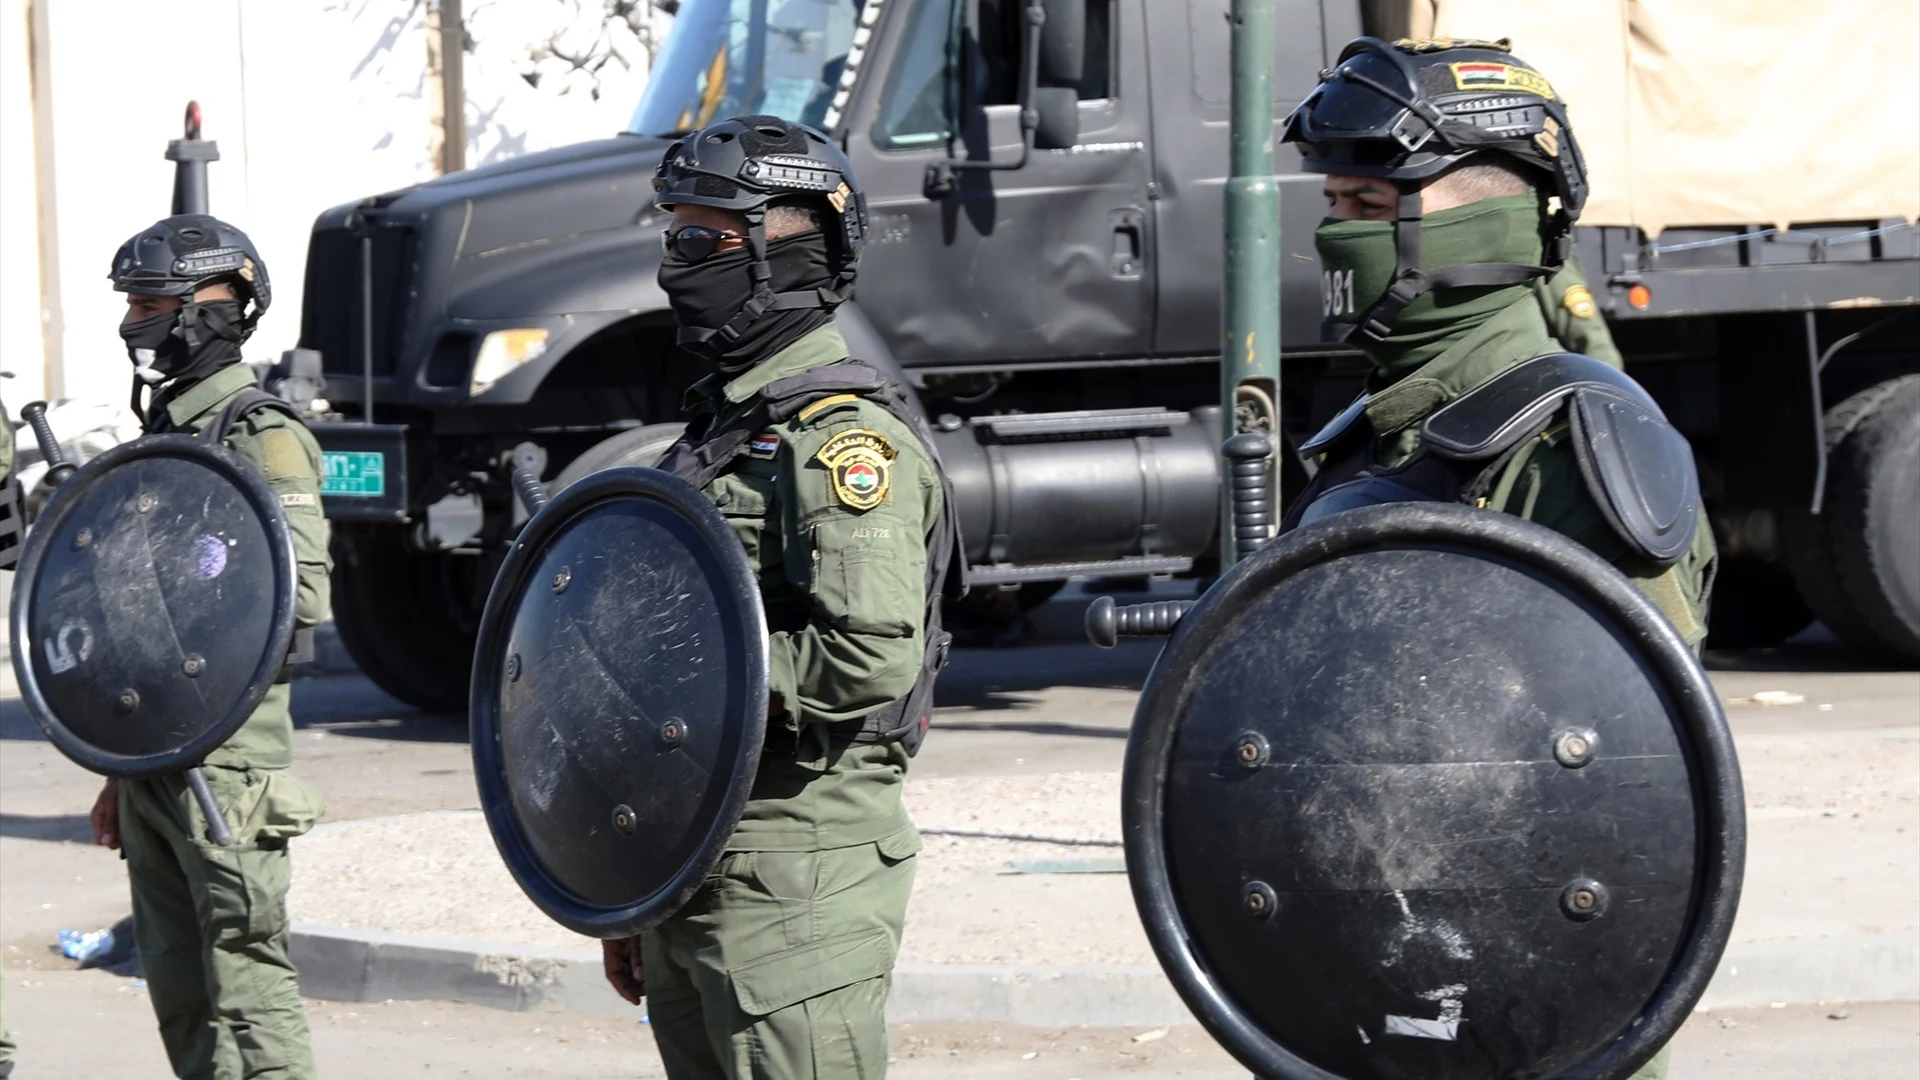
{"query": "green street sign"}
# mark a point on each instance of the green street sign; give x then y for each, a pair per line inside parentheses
(355, 474)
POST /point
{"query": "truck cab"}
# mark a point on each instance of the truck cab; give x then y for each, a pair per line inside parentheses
(1045, 180)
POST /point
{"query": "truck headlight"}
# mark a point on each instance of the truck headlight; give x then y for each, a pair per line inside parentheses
(501, 353)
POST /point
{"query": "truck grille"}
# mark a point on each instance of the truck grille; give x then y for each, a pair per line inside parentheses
(330, 313)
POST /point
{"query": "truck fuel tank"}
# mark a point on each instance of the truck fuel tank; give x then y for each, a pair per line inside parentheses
(1109, 490)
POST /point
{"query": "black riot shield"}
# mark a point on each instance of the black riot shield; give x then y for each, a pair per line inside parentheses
(153, 605)
(619, 699)
(1423, 792)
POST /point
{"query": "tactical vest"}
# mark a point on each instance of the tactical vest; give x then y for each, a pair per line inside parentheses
(1637, 467)
(244, 404)
(701, 457)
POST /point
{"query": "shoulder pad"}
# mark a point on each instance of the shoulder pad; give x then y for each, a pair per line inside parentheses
(796, 394)
(1336, 427)
(1639, 469)
(1517, 403)
(243, 406)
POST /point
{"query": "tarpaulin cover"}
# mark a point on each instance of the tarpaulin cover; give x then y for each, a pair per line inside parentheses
(1717, 112)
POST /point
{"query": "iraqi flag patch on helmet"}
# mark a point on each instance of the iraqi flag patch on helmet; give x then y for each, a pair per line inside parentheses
(1486, 75)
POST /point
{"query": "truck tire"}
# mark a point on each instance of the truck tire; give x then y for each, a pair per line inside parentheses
(636, 446)
(1755, 605)
(408, 618)
(1858, 562)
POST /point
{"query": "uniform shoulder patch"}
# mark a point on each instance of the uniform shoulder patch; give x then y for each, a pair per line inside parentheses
(1579, 302)
(826, 405)
(763, 445)
(282, 455)
(860, 467)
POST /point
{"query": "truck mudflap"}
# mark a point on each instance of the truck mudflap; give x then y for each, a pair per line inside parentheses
(366, 471)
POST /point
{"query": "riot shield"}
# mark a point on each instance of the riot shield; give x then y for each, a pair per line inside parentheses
(153, 605)
(619, 699)
(1422, 791)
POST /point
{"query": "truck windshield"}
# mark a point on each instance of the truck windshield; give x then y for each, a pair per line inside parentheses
(739, 57)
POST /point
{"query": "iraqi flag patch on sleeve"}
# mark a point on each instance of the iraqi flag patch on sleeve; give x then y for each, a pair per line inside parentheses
(764, 445)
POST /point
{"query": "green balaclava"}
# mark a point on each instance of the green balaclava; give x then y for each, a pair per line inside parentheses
(1357, 265)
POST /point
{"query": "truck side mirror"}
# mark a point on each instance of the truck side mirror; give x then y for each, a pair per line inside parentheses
(1063, 42)
(1049, 115)
(1056, 117)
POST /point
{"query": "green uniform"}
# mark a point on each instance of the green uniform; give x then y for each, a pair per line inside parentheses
(6, 447)
(6, 1041)
(780, 965)
(211, 922)
(1542, 482)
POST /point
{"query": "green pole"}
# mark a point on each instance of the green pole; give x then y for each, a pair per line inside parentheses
(1251, 354)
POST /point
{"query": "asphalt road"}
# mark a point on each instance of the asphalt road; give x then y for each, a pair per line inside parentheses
(88, 1025)
(1852, 746)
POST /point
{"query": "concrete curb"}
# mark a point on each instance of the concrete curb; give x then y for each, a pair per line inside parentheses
(338, 964)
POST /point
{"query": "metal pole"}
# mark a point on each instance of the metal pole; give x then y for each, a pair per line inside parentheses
(453, 87)
(366, 320)
(1251, 352)
(190, 154)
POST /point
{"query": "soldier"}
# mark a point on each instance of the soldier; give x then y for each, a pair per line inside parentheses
(11, 507)
(13, 502)
(1454, 182)
(781, 964)
(211, 922)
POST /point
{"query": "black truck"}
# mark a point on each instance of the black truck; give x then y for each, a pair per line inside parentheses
(1046, 186)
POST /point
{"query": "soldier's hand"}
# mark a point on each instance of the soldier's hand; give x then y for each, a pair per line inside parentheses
(621, 957)
(106, 816)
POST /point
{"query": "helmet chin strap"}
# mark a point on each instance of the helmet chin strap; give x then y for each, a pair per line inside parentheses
(709, 343)
(1410, 282)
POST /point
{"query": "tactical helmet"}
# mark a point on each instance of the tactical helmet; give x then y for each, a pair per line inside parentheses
(176, 256)
(1415, 109)
(746, 163)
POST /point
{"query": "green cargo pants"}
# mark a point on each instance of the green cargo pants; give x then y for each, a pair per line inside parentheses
(779, 967)
(6, 1037)
(211, 922)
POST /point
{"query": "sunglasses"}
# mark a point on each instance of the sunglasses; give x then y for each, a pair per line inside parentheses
(695, 243)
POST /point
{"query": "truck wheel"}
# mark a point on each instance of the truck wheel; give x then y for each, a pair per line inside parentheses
(1858, 562)
(1755, 605)
(637, 446)
(408, 618)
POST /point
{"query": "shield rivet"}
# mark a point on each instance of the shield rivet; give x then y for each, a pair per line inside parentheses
(193, 666)
(1259, 899)
(82, 539)
(126, 703)
(1252, 752)
(1583, 899)
(623, 819)
(1575, 747)
(146, 503)
(562, 579)
(673, 732)
(513, 668)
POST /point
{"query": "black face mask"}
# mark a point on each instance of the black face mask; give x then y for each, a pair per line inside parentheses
(707, 295)
(188, 344)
